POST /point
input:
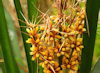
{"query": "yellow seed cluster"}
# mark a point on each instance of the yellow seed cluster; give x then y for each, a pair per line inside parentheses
(54, 38)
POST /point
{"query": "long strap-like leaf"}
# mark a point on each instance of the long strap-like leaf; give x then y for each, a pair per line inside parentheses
(25, 37)
(32, 11)
(96, 68)
(92, 10)
(9, 60)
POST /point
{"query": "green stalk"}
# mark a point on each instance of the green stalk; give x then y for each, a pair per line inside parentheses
(25, 37)
(9, 60)
(92, 11)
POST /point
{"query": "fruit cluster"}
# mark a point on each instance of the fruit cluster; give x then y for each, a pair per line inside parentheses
(59, 38)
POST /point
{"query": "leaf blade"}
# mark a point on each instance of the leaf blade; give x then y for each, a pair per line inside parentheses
(25, 37)
(92, 10)
(9, 60)
(96, 68)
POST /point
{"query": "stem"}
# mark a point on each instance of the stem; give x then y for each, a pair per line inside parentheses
(60, 61)
(71, 54)
(37, 65)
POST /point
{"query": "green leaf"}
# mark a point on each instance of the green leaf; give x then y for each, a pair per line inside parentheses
(96, 68)
(31, 65)
(92, 11)
(13, 38)
(12, 34)
(3, 70)
(2, 66)
(9, 60)
(32, 11)
(97, 46)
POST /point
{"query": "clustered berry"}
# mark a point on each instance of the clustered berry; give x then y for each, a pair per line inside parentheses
(59, 35)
